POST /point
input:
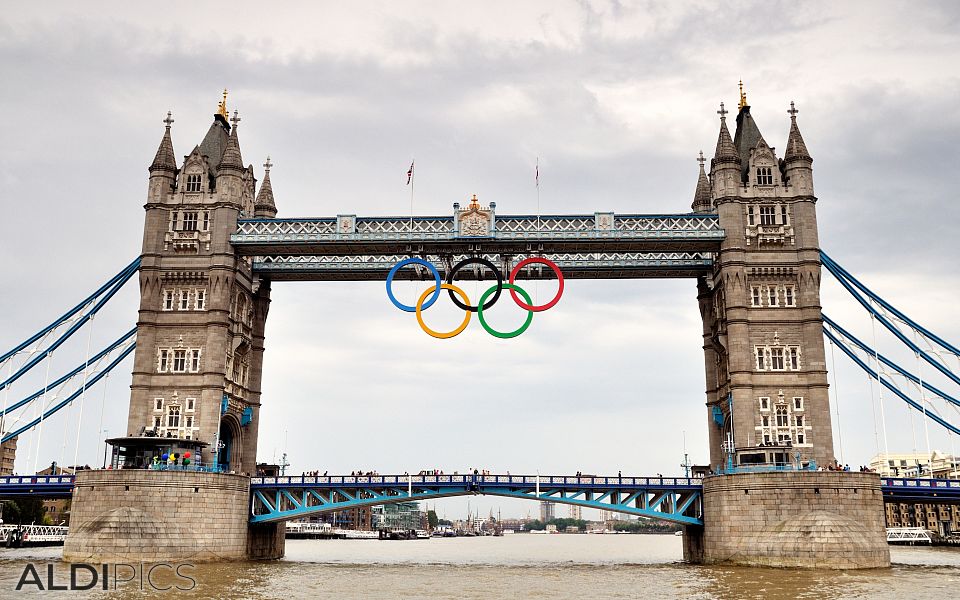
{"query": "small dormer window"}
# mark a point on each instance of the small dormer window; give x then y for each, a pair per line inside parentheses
(193, 183)
(764, 176)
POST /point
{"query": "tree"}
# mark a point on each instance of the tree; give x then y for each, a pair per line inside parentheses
(23, 511)
(534, 525)
(432, 518)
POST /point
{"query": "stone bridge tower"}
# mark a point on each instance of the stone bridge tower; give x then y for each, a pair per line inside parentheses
(200, 333)
(767, 396)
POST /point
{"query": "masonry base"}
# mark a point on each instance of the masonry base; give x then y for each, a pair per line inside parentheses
(810, 519)
(150, 516)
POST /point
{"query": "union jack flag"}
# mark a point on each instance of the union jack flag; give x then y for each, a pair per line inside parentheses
(410, 173)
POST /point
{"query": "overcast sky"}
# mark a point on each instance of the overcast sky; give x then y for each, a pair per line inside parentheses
(616, 99)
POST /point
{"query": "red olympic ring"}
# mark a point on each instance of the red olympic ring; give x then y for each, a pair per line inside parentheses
(542, 261)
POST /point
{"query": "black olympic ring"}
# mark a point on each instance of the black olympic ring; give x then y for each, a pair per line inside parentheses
(476, 260)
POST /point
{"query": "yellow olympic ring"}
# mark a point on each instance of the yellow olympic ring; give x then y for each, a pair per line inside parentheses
(449, 334)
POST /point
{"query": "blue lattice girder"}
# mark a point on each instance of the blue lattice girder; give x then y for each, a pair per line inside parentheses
(284, 498)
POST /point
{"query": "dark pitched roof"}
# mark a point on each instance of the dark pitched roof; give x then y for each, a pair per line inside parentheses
(215, 142)
(746, 138)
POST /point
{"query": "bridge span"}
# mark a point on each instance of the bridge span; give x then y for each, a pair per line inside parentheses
(675, 499)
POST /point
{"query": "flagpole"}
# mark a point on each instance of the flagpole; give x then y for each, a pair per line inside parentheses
(413, 175)
(538, 194)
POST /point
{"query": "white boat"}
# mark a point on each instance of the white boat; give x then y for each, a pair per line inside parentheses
(353, 534)
(909, 536)
(422, 534)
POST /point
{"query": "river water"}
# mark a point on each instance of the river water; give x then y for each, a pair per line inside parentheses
(586, 567)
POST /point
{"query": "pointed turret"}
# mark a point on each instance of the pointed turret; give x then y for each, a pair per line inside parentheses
(725, 166)
(798, 165)
(264, 207)
(796, 149)
(165, 159)
(231, 159)
(701, 197)
(726, 152)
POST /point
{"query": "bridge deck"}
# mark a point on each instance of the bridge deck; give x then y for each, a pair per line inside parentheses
(634, 246)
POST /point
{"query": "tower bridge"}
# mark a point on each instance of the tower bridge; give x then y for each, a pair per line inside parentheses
(213, 246)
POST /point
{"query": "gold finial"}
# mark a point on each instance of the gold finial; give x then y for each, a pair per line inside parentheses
(222, 105)
(474, 203)
(743, 97)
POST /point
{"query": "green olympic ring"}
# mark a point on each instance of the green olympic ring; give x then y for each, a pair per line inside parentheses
(491, 330)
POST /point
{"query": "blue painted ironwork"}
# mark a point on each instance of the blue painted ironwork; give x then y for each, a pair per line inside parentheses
(246, 417)
(93, 360)
(118, 283)
(849, 282)
(908, 375)
(263, 233)
(874, 375)
(40, 486)
(676, 499)
(66, 401)
(906, 489)
(122, 275)
(840, 272)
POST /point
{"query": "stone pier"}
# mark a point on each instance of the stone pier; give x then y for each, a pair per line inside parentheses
(150, 516)
(806, 519)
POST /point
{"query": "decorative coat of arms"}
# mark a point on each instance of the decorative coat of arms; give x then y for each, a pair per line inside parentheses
(475, 220)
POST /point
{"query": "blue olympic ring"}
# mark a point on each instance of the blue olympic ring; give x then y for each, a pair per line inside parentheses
(400, 265)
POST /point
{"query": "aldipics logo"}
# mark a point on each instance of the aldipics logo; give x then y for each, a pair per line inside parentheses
(158, 577)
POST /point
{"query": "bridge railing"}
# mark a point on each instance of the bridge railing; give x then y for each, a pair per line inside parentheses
(36, 480)
(487, 480)
(913, 482)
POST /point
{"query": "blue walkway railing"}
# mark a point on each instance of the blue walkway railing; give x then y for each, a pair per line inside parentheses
(676, 499)
(669, 498)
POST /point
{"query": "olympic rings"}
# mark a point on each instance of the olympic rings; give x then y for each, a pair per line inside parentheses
(482, 305)
(543, 261)
(449, 334)
(393, 273)
(476, 260)
(512, 334)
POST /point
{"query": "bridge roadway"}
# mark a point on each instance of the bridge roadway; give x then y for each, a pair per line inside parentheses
(599, 245)
(676, 499)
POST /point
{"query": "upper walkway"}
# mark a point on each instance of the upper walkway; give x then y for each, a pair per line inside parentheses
(670, 498)
(601, 245)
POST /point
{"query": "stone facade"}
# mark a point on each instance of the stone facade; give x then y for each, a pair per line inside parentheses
(145, 515)
(200, 333)
(827, 519)
(766, 378)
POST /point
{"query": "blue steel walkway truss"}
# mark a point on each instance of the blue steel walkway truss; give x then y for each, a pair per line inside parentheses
(676, 499)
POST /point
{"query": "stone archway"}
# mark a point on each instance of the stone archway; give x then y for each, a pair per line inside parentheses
(231, 439)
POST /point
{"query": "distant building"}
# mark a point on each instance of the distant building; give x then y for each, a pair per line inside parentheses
(8, 453)
(548, 511)
(575, 512)
(942, 518)
(402, 515)
(916, 464)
